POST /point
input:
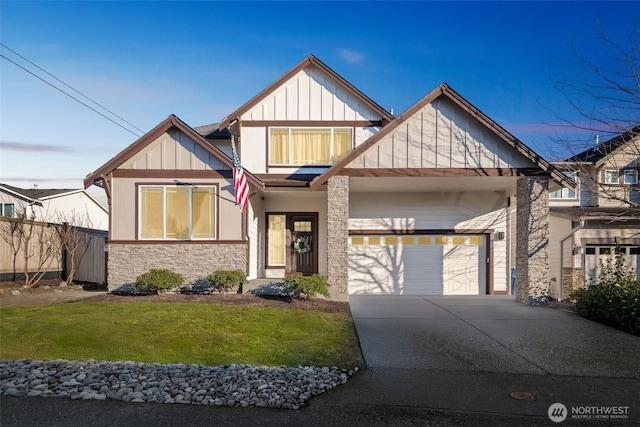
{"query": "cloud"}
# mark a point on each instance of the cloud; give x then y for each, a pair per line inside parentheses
(352, 57)
(31, 148)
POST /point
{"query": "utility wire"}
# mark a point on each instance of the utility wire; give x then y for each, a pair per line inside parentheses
(70, 96)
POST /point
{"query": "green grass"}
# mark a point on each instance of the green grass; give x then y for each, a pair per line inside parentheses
(203, 334)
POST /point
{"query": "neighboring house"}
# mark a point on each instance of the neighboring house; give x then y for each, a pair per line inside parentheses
(586, 225)
(422, 203)
(76, 206)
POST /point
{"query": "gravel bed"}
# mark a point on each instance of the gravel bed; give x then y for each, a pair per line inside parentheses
(235, 385)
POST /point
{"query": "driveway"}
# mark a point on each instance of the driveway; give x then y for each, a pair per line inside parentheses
(488, 334)
(490, 355)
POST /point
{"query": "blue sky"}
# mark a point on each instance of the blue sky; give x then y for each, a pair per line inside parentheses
(201, 60)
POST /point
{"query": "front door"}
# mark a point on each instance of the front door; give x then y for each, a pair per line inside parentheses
(303, 246)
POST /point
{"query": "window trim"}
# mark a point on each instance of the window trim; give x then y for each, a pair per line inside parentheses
(290, 145)
(164, 232)
(3, 207)
(630, 172)
(573, 175)
(606, 175)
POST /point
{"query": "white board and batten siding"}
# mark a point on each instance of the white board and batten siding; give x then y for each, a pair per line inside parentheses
(441, 135)
(173, 150)
(309, 95)
(432, 263)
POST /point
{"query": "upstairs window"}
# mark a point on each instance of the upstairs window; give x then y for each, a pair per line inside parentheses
(611, 177)
(8, 210)
(627, 176)
(565, 193)
(177, 212)
(631, 177)
(309, 146)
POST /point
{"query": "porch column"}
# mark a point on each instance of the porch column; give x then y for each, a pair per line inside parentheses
(338, 237)
(532, 241)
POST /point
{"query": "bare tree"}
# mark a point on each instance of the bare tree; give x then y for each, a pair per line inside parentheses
(11, 235)
(73, 240)
(33, 242)
(605, 93)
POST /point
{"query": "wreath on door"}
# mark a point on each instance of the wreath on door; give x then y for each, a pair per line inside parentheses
(302, 245)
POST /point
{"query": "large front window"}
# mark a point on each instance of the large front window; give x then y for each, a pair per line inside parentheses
(309, 146)
(177, 212)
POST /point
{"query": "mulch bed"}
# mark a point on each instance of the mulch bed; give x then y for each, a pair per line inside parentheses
(270, 301)
(49, 292)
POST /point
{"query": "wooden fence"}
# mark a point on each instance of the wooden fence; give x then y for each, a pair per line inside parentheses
(90, 257)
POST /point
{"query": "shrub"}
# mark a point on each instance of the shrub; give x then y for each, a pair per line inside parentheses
(613, 297)
(159, 280)
(308, 286)
(227, 280)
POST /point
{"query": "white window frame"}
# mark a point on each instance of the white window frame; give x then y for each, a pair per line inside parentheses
(164, 212)
(565, 193)
(630, 173)
(290, 144)
(609, 173)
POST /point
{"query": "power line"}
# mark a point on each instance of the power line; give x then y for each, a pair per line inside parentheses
(70, 87)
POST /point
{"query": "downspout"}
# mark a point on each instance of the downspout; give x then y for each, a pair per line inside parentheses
(573, 232)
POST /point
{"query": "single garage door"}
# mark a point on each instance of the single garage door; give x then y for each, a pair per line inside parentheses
(433, 264)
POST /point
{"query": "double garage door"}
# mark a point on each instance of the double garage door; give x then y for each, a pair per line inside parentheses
(421, 264)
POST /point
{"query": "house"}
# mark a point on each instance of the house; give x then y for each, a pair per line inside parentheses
(76, 207)
(34, 247)
(438, 200)
(586, 225)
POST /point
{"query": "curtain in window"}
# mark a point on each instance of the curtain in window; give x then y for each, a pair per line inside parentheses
(277, 239)
(152, 213)
(311, 146)
(203, 213)
(177, 214)
(341, 144)
(279, 147)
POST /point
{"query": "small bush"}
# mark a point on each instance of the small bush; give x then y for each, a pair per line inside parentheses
(612, 298)
(308, 286)
(159, 280)
(227, 280)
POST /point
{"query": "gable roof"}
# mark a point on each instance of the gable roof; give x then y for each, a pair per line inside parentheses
(152, 135)
(601, 151)
(444, 90)
(309, 60)
(39, 193)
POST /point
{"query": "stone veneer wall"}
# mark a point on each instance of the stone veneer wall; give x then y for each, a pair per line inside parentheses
(193, 261)
(338, 237)
(532, 241)
(572, 279)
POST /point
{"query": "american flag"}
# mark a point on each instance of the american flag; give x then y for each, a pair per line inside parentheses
(239, 182)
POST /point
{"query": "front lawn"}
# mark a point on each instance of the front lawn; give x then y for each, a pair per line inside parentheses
(203, 334)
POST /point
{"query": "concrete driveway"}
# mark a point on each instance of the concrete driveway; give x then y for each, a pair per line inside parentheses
(490, 355)
(488, 334)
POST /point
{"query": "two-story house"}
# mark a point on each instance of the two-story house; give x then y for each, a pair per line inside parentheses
(421, 203)
(604, 212)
